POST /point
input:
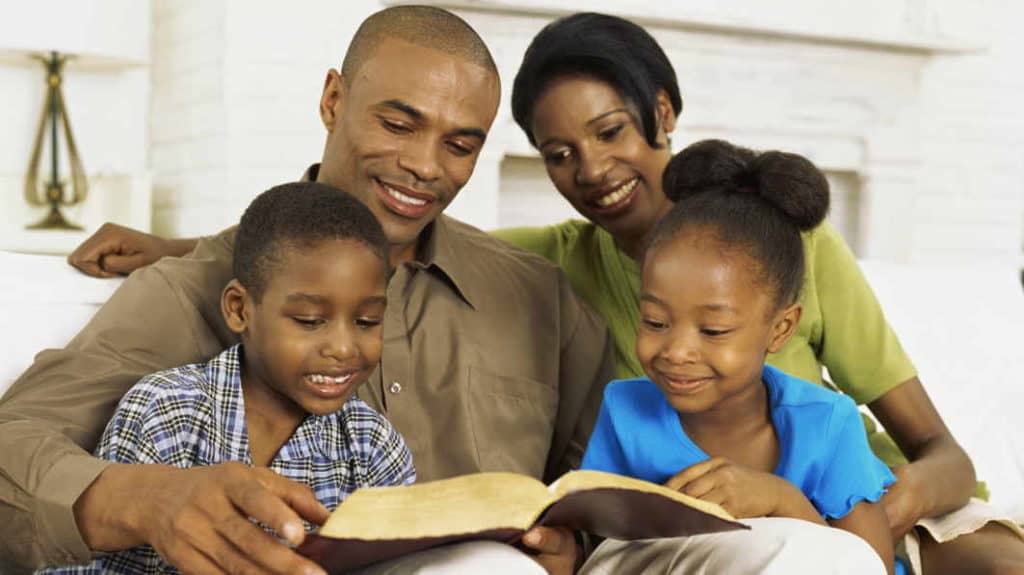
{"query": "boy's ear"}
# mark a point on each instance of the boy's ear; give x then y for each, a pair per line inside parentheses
(331, 99)
(234, 305)
(666, 115)
(784, 326)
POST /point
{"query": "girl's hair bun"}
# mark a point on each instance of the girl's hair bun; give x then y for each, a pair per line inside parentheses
(789, 182)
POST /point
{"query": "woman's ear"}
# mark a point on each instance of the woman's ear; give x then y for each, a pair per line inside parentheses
(784, 325)
(666, 114)
(235, 306)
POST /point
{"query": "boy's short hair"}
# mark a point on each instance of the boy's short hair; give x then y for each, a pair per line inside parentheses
(299, 215)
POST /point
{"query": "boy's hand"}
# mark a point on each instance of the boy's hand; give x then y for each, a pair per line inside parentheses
(556, 547)
(741, 491)
(198, 518)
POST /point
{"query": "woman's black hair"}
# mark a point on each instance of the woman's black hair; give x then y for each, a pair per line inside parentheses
(603, 47)
(757, 202)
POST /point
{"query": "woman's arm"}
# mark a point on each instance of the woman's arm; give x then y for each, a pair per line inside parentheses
(940, 477)
(867, 521)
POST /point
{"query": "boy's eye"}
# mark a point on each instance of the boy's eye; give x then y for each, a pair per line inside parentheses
(309, 322)
(715, 332)
(368, 322)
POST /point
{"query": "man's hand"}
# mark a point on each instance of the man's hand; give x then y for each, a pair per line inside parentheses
(556, 547)
(903, 501)
(116, 250)
(197, 519)
(741, 491)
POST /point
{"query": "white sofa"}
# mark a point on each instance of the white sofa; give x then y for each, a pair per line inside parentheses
(964, 328)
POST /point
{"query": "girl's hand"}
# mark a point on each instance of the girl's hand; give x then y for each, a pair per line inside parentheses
(741, 491)
(904, 503)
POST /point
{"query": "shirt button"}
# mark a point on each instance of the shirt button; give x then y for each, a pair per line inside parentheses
(395, 387)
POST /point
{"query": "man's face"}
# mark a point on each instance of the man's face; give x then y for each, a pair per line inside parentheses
(404, 133)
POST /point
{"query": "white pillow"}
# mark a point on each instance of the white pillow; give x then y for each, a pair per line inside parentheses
(44, 302)
(963, 328)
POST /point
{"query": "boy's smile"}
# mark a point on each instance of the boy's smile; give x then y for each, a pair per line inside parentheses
(315, 334)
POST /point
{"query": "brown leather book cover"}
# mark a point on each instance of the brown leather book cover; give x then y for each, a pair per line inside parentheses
(380, 523)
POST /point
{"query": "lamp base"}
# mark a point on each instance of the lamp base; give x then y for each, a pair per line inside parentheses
(53, 221)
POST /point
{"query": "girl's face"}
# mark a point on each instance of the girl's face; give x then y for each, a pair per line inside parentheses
(596, 155)
(706, 322)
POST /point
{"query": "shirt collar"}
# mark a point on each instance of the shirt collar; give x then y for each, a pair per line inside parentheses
(438, 252)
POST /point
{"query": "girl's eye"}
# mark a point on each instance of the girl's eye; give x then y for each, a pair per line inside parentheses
(609, 133)
(714, 332)
(653, 324)
(368, 322)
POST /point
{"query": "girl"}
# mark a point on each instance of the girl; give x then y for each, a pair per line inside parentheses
(598, 97)
(720, 290)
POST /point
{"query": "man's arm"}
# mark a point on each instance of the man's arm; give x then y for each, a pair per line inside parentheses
(586, 365)
(115, 250)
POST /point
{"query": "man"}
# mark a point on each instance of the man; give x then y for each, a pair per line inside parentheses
(482, 342)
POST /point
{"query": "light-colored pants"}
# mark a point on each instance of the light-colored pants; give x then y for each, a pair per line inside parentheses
(772, 545)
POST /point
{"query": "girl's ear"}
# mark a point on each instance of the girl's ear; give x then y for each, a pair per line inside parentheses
(235, 306)
(666, 115)
(784, 325)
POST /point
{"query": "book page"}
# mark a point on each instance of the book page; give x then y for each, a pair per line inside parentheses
(586, 479)
(465, 504)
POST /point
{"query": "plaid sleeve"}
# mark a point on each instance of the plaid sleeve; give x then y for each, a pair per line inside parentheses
(388, 460)
(128, 437)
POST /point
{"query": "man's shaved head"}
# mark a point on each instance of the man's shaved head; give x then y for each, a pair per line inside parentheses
(420, 25)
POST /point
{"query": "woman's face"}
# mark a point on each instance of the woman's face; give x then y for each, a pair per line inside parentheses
(597, 157)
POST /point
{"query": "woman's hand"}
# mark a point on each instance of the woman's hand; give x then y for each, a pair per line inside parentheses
(556, 547)
(742, 491)
(904, 503)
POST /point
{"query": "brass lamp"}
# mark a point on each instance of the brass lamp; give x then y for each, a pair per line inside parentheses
(52, 193)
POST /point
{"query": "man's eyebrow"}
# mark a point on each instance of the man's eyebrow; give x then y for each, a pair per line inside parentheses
(417, 115)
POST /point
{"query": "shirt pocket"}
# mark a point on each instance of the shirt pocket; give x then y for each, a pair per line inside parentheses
(513, 420)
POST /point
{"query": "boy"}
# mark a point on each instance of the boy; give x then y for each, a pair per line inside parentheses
(307, 301)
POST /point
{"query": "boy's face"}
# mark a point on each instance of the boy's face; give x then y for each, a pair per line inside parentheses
(315, 335)
(707, 320)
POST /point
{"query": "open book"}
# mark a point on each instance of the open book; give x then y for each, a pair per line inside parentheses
(380, 523)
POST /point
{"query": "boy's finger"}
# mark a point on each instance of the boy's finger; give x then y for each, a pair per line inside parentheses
(549, 540)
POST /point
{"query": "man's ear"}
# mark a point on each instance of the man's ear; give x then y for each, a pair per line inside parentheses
(235, 306)
(784, 325)
(666, 115)
(331, 99)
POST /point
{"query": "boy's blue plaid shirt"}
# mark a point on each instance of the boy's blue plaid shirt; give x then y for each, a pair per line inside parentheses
(194, 415)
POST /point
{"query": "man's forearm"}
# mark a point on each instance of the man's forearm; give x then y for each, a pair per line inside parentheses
(179, 247)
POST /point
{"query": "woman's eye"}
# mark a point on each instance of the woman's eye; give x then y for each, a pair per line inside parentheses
(556, 157)
(609, 133)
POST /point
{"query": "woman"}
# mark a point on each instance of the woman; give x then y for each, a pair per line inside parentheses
(598, 98)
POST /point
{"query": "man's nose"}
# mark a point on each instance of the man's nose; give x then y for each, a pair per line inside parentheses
(421, 160)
